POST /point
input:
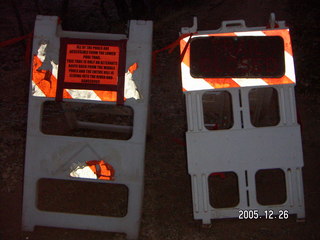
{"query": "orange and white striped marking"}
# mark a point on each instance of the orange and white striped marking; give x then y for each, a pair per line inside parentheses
(190, 83)
(44, 82)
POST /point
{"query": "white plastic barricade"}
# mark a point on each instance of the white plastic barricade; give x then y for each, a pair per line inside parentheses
(243, 132)
(76, 69)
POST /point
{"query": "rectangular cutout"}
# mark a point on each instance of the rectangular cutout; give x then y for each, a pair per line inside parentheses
(241, 119)
(223, 190)
(246, 175)
(264, 107)
(217, 110)
(237, 57)
(90, 198)
(240, 99)
(87, 120)
(271, 187)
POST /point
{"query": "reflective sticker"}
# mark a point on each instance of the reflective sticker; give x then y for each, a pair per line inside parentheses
(91, 64)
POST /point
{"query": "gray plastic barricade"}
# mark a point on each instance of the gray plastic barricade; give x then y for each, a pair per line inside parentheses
(87, 74)
(242, 122)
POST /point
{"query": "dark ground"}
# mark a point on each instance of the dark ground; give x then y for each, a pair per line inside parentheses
(167, 212)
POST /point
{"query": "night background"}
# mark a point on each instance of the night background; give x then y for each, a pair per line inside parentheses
(167, 204)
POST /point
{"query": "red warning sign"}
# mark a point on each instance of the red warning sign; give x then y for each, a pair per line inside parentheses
(91, 64)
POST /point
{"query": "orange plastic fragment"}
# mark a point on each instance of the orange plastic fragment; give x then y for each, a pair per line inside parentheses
(103, 170)
(45, 80)
(133, 68)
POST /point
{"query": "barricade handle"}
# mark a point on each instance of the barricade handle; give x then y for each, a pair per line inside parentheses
(192, 29)
(233, 24)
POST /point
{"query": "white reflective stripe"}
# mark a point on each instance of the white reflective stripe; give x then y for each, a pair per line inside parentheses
(191, 84)
(36, 91)
(42, 51)
(83, 172)
(246, 82)
(186, 39)
(130, 87)
(195, 36)
(252, 33)
(54, 69)
(290, 73)
(83, 94)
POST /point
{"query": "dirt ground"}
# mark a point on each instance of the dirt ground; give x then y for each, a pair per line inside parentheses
(167, 211)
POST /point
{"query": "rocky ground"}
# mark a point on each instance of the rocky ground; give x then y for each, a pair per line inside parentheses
(167, 211)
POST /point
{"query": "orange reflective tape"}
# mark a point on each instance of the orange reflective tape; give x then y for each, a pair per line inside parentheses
(222, 82)
(284, 33)
(44, 79)
(110, 96)
(275, 81)
(103, 170)
(186, 48)
(186, 57)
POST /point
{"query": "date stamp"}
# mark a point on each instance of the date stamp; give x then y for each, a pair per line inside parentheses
(266, 214)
